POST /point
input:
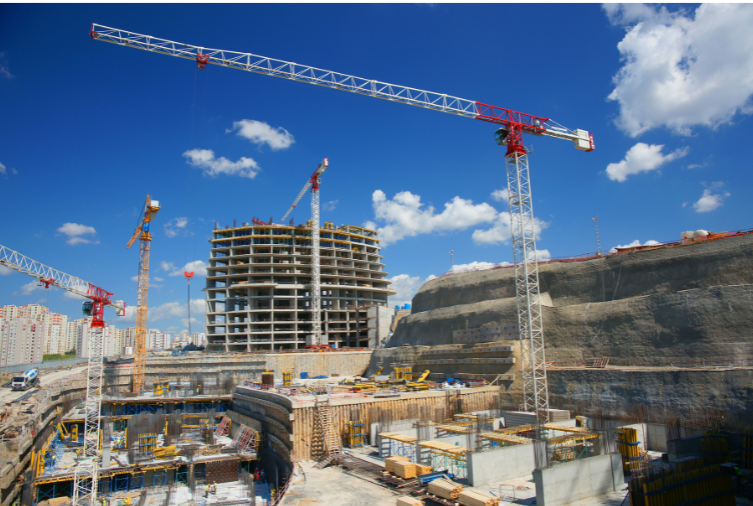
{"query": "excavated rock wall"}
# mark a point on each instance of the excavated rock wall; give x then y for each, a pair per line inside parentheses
(682, 304)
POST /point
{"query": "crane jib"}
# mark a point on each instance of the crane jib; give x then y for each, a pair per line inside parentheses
(530, 124)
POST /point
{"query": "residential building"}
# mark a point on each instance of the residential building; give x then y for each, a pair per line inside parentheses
(21, 341)
(155, 339)
(258, 289)
(198, 339)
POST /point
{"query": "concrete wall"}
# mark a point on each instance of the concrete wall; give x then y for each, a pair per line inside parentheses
(657, 437)
(579, 479)
(506, 463)
(42, 365)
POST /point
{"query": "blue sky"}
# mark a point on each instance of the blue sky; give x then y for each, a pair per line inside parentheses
(87, 129)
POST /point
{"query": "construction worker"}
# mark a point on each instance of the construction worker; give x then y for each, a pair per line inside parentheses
(262, 475)
(206, 491)
(214, 488)
(127, 501)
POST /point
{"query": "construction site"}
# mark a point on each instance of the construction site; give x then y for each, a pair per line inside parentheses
(640, 393)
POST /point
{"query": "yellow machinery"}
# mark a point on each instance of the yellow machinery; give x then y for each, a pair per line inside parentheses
(139, 346)
(287, 378)
(161, 387)
(420, 383)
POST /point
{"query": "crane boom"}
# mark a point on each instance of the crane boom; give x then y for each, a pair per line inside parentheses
(250, 62)
(297, 199)
(85, 474)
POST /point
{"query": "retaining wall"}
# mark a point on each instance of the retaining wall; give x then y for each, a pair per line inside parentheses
(506, 463)
(579, 479)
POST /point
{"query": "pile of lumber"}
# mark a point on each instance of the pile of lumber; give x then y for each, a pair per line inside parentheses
(444, 488)
(389, 462)
(472, 497)
(165, 452)
(405, 469)
(421, 469)
(407, 500)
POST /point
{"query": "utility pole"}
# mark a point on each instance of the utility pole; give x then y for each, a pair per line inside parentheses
(452, 260)
(598, 241)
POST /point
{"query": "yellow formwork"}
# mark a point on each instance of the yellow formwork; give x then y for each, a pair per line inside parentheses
(704, 486)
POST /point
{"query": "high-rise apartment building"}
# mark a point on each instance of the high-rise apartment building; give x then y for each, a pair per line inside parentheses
(21, 341)
(155, 339)
(56, 327)
(259, 287)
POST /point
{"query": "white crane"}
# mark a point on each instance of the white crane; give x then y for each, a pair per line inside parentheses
(85, 474)
(316, 276)
(513, 125)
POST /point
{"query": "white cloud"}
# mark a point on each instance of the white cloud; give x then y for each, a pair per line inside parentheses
(72, 296)
(197, 266)
(405, 215)
(29, 287)
(174, 227)
(330, 206)
(683, 69)
(406, 287)
(500, 231)
(635, 243)
(4, 271)
(642, 158)
(135, 278)
(261, 133)
(158, 279)
(711, 199)
(501, 195)
(74, 231)
(3, 170)
(204, 159)
(168, 310)
(4, 67)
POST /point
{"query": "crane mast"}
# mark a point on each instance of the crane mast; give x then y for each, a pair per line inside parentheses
(142, 295)
(316, 275)
(513, 125)
(85, 475)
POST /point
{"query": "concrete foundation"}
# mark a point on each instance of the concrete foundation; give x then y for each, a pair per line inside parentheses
(579, 479)
(502, 464)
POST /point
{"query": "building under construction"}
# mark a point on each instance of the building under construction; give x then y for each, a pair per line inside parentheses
(259, 288)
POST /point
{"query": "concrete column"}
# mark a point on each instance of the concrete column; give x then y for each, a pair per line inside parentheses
(106, 444)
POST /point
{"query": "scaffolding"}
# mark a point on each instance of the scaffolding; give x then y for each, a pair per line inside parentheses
(444, 457)
(393, 443)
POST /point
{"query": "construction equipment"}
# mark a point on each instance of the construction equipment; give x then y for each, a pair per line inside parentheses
(85, 474)
(142, 295)
(316, 280)
(513, 125)
(420, 383)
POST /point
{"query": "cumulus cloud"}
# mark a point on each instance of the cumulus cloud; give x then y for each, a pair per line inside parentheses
(635, 243)
(205, 159)
(30, 287)
(406, 287)
(683, 69)
(74, 231)
(501, 195)
(176, 226)
(261, 133)
(405, 215)
(72, 296)
(3, 170)
(4, 271)
(500, 231)
(711, 199)
(198, 267)
(477, 266)
(642, 158)
(168, 310)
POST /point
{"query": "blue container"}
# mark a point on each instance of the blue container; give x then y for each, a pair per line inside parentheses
(407, 306)
(397, 308)
(304, 375)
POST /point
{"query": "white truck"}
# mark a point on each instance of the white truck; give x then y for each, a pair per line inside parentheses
(26, 380)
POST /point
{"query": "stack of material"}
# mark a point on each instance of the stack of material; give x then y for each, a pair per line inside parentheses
(407, 500)
(389, 463)
(420, 469)
(164, 452)
(405, 469)
(476, 498)
(446, 489)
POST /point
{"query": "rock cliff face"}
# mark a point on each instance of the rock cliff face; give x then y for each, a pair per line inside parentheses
(671, 305)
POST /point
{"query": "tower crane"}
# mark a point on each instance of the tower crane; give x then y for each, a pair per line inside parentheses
(316, 277)
(85, 473)
(513, 125)
(142, 295)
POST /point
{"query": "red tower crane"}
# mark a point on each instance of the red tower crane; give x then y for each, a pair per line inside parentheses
(513, 125)
(85, 473)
